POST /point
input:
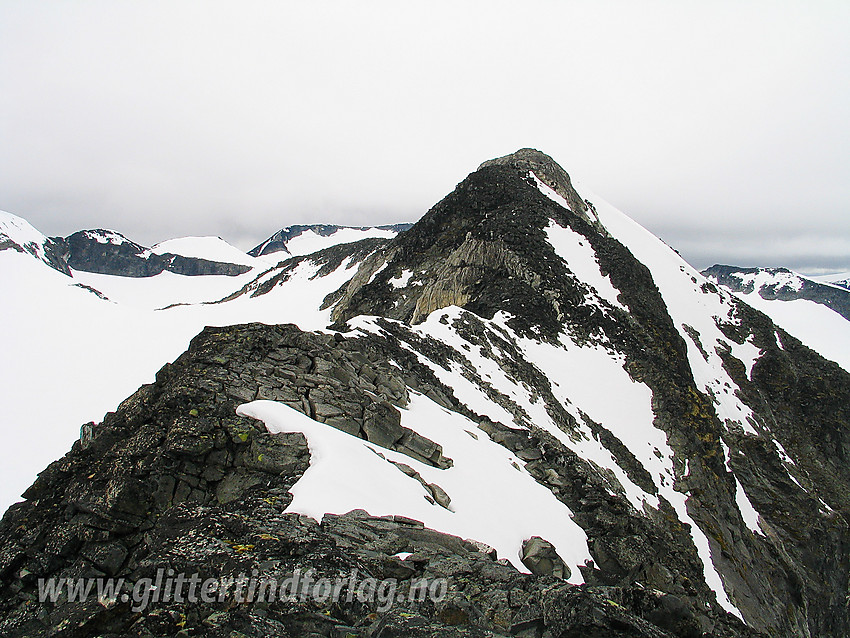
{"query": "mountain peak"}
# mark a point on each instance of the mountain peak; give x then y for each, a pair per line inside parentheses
(522, 368)
(547, 171)
(487, 247)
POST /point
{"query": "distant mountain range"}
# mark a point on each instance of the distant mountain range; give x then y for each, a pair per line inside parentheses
(305, 239)
(111, 253)
(784, 285)
(839, 279)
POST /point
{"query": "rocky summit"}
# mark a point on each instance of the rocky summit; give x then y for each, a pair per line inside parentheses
(525, 404)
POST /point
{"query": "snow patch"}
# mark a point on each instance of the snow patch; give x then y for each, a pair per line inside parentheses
(747, 353)
(748, 512)
(401, 280)
(549, 192)
(107, 237)
(580, 258)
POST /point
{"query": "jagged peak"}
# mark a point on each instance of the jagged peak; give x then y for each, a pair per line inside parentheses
(522, 155)
(484, 247)
(547, 171)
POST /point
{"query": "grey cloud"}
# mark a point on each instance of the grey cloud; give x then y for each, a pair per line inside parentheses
(162, 119)
(809, 252)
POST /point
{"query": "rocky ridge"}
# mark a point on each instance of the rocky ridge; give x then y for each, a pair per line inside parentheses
(176, 479)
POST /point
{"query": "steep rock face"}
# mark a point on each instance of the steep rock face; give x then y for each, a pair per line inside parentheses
(110, 253)
(781, 284)
(801, 399)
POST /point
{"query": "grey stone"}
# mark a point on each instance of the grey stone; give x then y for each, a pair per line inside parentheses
(440, 495)
(236, 484)
(382, 424)
(540, 556)
(108, 557)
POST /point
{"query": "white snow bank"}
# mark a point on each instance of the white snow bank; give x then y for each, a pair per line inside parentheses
(580, 258)
(493, 499)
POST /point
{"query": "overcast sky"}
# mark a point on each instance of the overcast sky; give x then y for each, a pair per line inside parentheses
(723, 127)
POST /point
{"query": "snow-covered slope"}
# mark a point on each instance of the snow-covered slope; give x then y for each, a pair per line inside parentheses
(209, 248)
(16, 230)
(68, 358)
(19, 235)
(821, 329)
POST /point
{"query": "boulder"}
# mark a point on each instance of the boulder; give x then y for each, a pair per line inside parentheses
(540, 556)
